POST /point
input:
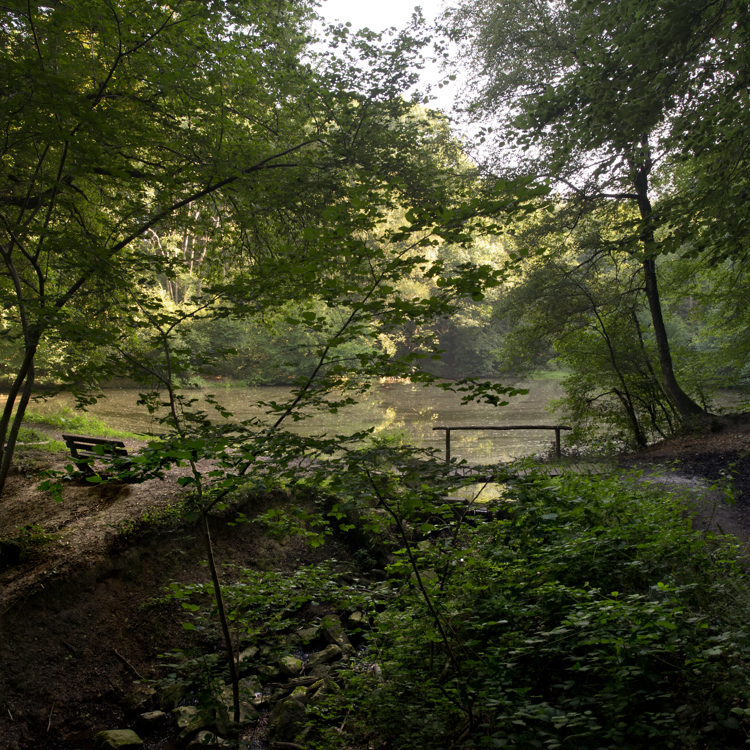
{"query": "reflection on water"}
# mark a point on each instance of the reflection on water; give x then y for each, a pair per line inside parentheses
(481, 493)
(389, 408)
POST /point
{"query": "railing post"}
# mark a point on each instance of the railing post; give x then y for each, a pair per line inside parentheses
(448, 445)
(558, 454)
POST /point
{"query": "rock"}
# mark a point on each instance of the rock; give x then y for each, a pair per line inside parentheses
(191, 720)
(248, 714)
(293, 641)
(286, 719)
(251, 690)
(173, 695)
(312, 689)
(357, 620)
(139, 700)
(316, 692)
(300, 694)
(307, 635)
(322, 670)
(290, 666)
(207, 739)
(326, 656)
(150, 721)
(184, 715)
(277, 692)
(117, 739)
(246, 658)
(334, 633)
(268, 672)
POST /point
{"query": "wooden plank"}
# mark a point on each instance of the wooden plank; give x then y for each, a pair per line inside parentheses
(509, 427)
(87, 440)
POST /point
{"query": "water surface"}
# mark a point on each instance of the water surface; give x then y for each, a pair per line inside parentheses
(390, 408)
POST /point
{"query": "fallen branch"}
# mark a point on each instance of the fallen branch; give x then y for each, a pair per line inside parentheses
(127, 663)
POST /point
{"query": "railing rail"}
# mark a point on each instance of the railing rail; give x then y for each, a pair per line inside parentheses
(555, 427)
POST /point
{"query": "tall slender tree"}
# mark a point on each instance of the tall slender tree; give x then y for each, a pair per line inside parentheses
(595, 95)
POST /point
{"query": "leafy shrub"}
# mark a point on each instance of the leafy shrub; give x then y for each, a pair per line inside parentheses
(266, 603)
(591, 616)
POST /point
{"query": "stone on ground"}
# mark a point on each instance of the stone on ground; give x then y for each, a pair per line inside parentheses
(117, 739)
(286, 719)
(330, 653)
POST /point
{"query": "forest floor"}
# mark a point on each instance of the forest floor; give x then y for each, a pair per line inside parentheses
(713, 467)
(78, 623)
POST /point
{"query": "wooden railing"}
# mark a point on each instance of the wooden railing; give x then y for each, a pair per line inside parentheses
(556, 428)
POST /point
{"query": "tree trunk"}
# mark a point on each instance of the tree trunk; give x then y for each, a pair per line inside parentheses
(24, 382)
(685, 406)
(682, 402)
(233, 674)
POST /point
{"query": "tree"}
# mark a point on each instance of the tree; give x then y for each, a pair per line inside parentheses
(584, 307)
(359, 305)
(598, 94)
(123, 117)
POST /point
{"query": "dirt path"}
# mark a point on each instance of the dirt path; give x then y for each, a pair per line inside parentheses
(81, 529)
(713, 468)
(79, 625)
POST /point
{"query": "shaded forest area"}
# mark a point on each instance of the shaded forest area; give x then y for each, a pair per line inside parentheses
(194, 189)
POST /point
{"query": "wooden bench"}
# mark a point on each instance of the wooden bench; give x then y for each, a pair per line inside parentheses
(82, 446)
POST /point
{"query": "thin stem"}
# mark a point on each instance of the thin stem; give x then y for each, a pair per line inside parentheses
(428, 600)
(220, 607)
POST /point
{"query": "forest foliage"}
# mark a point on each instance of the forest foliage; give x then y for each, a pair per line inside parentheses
(236, 222)
(635, 113)
(193, 188)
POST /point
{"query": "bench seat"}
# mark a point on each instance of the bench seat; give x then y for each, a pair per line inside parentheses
(84, 446)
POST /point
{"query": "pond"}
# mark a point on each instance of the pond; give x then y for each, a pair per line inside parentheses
(390, 408)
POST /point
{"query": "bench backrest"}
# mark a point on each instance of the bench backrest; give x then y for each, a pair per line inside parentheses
(83, 446)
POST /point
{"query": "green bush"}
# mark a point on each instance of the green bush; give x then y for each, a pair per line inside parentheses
(591, 616)
(584, 612)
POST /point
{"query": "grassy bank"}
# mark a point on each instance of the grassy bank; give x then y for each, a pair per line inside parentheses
(74, 421)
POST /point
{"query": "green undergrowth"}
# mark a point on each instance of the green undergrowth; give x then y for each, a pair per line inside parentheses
(267, 604)
(593, 616)
(585, 612)
(79, 422)
(580, 612)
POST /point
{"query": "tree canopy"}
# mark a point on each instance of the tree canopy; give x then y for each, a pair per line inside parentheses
(129, 122)
(596, 97)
